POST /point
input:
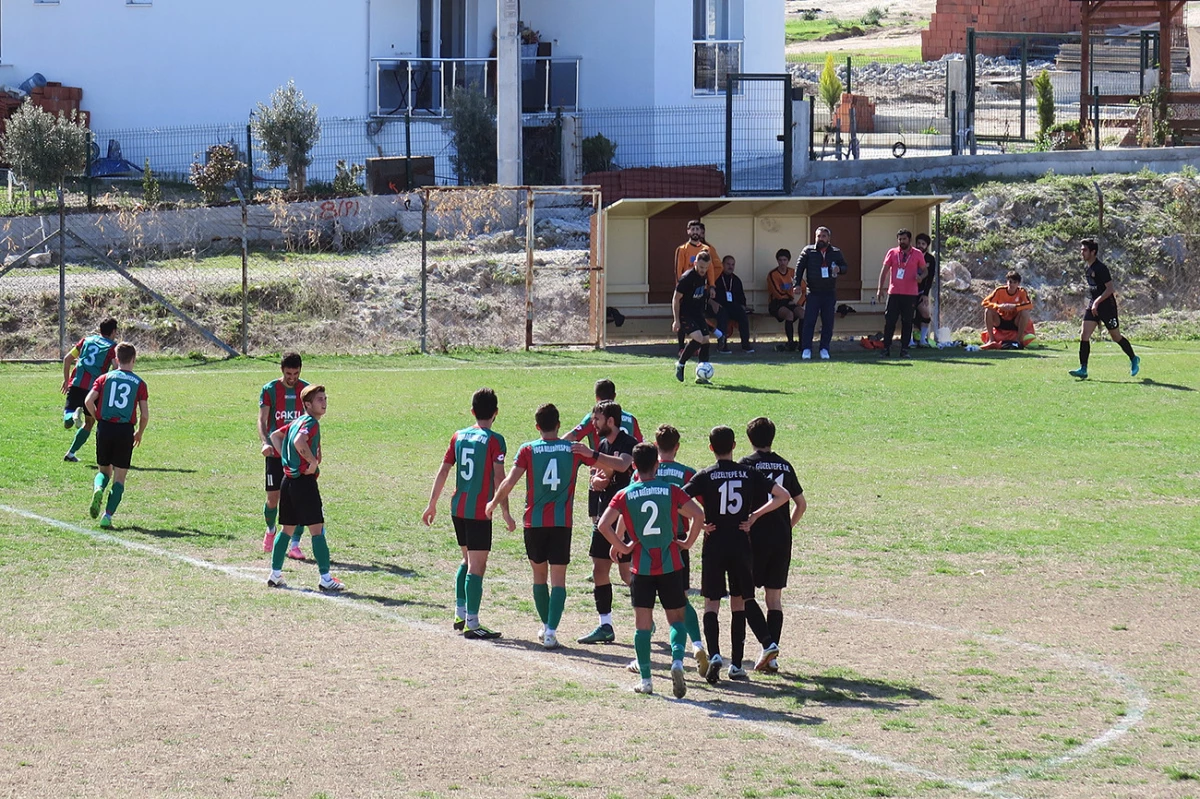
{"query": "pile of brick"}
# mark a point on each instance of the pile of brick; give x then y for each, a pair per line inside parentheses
(947, 31)
(56, 98)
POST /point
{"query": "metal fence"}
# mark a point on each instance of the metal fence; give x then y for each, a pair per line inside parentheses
(430, 270)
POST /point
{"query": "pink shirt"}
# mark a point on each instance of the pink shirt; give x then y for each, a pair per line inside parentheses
(903, 266)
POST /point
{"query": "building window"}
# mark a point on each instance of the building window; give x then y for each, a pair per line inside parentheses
(716, 43)
(138, 2)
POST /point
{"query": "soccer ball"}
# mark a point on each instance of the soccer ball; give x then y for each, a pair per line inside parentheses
(704, 370)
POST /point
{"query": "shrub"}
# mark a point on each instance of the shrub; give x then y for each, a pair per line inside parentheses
(831, 85)
(220, 167)
(288, 129)
(44, 149)
(810, 14)
(598, 153)
(345, 182)
(151, 191)
(874, 16)
(473, 133)
(1044, 91)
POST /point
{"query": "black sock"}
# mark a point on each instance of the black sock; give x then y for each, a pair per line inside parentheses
(1125, 345)
(603, 595)
(757, 622)
(789, 327)
(691, 349)
(775, 624)
(704, 352)
(737, 631)
(712, 633)
(1085, 349)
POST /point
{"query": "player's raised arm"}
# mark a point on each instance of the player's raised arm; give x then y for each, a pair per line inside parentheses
(695, 516)
(439, 482)
(618, 462)
(607, 528)
(504, 489)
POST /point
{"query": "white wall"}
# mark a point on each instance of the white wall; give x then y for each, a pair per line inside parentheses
(394, 29)
(142, 66)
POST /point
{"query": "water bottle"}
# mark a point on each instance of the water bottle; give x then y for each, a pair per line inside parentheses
(972, 348)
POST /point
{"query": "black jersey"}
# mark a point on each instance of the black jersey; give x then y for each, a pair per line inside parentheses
(623, 444)
(729, 492)
(1098, 277)
(694, 290)
(926, 285)
(776, 469)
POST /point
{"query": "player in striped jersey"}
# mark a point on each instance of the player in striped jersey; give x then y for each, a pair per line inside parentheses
(90, 358)
(278, 406)
(477, 455)
(650, 508)
(606, 390)
(115, 399)
(552, 465)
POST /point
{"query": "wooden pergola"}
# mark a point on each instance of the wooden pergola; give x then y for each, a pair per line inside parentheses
(1097, 13)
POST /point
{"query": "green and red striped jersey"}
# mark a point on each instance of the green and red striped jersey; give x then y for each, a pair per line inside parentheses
(120, 391)
(473, 451)
(283, 403)
(550, 471)
(677, 475)
(629, 424)
(94, 357)
(306, 429)
(651, 512)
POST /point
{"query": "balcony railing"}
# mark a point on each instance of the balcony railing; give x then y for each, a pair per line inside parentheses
(714, 59)
(421, 86)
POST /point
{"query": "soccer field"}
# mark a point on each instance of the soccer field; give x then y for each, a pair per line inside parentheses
(993, 592)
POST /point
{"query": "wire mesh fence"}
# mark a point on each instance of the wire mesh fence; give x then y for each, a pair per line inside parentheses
(435, 269)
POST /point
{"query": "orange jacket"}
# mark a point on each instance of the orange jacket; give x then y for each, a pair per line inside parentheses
(1001, 296)
(776, 282)
(684, 255)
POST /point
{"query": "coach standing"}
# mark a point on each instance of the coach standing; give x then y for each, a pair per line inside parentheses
(820, 263)
(904, 267)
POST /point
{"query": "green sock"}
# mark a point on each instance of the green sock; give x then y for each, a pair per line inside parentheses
(460, 590)
(114, 498)
(691, 623)
(321, 552)
(641, 645)
(679, 636)
(279, 551)
(299, 531)
(541, 601)
(101, 481)
(81, 435)
(270, 514)
(558, 601)
(474, 593)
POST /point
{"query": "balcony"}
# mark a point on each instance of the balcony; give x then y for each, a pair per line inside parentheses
(714, 59)
(420, 86)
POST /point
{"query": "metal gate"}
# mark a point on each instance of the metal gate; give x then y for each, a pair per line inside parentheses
(758, 131)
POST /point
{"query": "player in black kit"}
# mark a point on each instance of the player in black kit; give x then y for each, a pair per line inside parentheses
(1101, 308)
(688, 304)
(734, 498)
(771, 536)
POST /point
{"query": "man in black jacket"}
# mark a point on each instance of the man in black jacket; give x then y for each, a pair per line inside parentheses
(819, 264)
(731, 305)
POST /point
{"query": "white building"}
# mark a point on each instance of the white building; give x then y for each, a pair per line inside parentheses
(159, 64)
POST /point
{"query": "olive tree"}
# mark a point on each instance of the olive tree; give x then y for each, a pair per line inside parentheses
(44, 149)
(288, 129)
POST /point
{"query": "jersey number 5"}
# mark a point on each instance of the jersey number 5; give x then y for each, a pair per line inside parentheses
(467, 462)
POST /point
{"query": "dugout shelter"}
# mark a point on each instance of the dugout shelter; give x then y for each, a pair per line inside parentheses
(640, 237)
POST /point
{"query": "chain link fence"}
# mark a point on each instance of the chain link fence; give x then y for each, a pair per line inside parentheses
(429, 270)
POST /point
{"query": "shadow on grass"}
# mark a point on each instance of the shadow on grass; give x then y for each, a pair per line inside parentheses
(745, 389)
(1155, 384)
(381, 568)
(153, 469)
(180, 532)
(389, 601)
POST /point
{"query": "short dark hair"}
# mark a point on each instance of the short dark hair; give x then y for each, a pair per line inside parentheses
(606, 389)
(484, 403)
(783, 252)
(923, 237)
(703, 256)
(108, 327)
(666, 437)
(903, 232)
(290, 360)
(311, 391)
(609, 409)
(126, 352)
(1013, 276)
(1091, 244)
(645, 458)
(722, 440)
(697, 223)
(546, 417)
(761, 432)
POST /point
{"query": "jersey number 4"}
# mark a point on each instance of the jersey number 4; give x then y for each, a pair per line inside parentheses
(550, 477)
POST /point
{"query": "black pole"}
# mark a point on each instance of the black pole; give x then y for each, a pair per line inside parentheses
(788, 138)
(812, 128)
(849, 87)
(954, 123)
(408, 175)
(1024, 81)
(730, 83)
(424, 270)
(88, 172)
(62, 273)
(249, 161)
(1096, 108)
(970, 98)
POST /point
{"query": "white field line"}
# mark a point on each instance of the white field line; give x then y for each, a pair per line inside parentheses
(1135, 697)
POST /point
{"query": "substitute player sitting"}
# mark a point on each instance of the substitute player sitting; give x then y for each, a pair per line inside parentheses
(649, 508)
(116, 399)
(1007, 308)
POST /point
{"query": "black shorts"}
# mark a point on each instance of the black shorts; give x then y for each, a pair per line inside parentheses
(114, 444)
(600, 548)
(774, 306)
(75, 398)
(300, 502)
(474, 534)
(692, 324)
(274, 473)
(727, 554)
(687, 563)
(1107, 314)
(668, 588)
(772, 551)
(548, 544)
(1007, 324)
